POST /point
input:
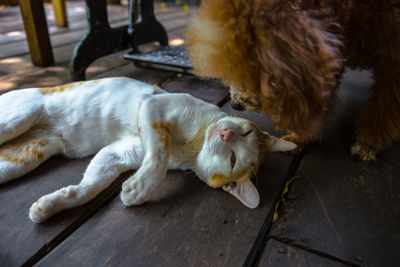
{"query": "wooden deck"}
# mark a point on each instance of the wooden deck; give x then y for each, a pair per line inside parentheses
(337, 212)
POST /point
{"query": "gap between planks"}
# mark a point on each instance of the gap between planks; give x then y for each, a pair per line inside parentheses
(94, 206)
(78, 20)
(260, 242)
(79, 28)
(112, 61)
(301, 246)
(256, 252)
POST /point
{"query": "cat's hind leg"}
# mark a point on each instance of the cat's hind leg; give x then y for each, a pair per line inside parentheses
(104, 168)
(24, 153)
(19, 111)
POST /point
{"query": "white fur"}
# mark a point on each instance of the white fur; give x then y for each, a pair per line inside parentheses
(112, 118)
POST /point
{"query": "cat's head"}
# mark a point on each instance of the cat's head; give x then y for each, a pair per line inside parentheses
(232, 151)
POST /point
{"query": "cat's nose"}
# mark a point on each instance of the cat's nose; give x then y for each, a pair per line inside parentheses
(226, 134)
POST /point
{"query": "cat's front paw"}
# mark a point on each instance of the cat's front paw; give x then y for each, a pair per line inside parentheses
(39, 211)
(133, 192)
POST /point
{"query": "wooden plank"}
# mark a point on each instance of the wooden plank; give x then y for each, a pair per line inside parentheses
(36, 32)
(76, 12)
(20, 65)
(60, 13)
(12, 25)
(130, 71)
(278, 254)
(38, 77)
(210, 91)
(346, 208)
(12, 66)
(63, 36)
(52, 76)
(185, 223)
(17, 72)
(20, 238)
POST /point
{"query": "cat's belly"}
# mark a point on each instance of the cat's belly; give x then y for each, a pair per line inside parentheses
(85, 139)
(90, 119)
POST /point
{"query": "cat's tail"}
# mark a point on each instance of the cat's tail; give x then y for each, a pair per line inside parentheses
(20, 110)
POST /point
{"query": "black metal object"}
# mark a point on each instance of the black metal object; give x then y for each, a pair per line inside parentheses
(102, 40)
(171, 58)
(143, 25)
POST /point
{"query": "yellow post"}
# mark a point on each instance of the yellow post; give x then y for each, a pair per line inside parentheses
(60, 13)
(37, 35)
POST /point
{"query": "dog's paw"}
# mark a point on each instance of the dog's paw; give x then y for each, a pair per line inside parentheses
(363, 152)
(133, 192)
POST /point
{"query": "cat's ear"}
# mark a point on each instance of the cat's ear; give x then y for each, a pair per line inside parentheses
(275, 144)
(245, 191)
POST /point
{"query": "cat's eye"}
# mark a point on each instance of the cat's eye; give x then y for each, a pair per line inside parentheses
(233, 159)
(247, 133)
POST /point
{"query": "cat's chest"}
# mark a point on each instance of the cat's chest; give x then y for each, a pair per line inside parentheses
(185, 146)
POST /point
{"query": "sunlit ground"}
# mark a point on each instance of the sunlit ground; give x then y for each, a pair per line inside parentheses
(176, 42)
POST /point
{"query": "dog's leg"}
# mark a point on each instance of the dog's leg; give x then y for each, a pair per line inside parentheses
(311, 132)
(379, 123)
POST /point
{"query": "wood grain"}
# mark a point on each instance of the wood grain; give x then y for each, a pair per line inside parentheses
(340, 206)
(184, 222)
(21, 240)
(17, 72)
(278, 254)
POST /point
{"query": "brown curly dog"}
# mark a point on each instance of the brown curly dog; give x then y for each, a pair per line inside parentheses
(284, 57)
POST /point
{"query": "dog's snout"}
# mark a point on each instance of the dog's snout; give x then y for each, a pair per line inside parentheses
(237, 106)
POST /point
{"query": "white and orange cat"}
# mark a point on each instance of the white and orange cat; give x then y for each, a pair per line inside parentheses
(128, 125)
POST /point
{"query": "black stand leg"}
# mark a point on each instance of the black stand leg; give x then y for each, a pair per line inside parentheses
(102, 40)
(144, 27)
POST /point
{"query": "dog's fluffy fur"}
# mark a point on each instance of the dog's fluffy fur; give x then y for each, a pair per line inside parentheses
(284, 57)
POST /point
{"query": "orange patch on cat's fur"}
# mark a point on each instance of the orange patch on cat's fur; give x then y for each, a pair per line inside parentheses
(21, 158)
(20, 151)
(61, 88)
(218, 180)
(164, 130)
